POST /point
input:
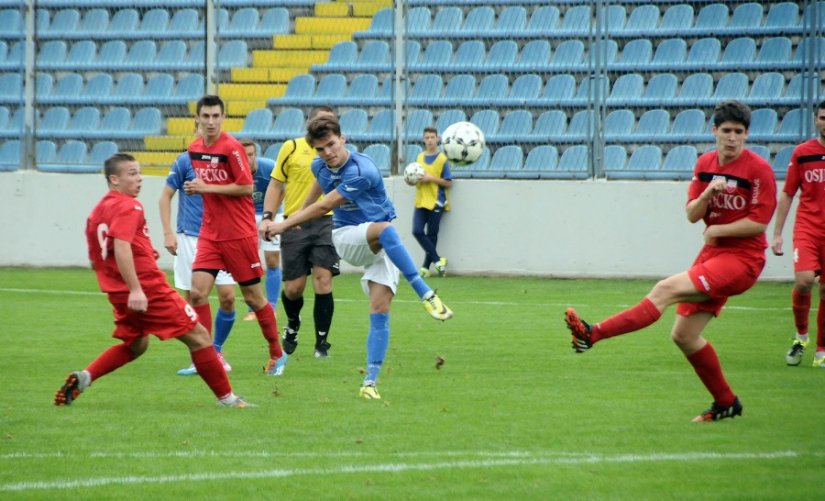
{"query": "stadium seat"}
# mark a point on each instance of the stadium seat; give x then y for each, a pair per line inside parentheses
(492, 89)
(43, 87)
(427, 90)
(525, 90)
(603, 50)
(99, 88)
(342, 54)
(233, 54)
(535, 55)
(739, 53)
(418, 20)
(458, 89)
(141, 54)
(171, 54)
(513, 19)
(502, 56)
(374, 56)
(792, 127)
(782, 18)
(380, 127)
(808, 15)
(411, 152)
(190, 87)
(94, 22)
(613, 20)
(331, 86)
(111, 54)
(681, 159)
(271, 151)
(185, 23)
(438, 54)
(10, 155)
(117, 119)
(647, 157)
(100, 152)
(159, 89)
(761, 150)
(469, 55)
(447, 22)
(615, 157)
(793, 93)
(696, 89)
(274, 21)
(415, 123)
(507, 160)
(574, 160)
(746, 17)
(704, 53)
(763, 125)
(774, 53)
(550, 124)
(588, 90)
(581, 128)
(781, 161)
(642, 21)
(381, 24)
(636, 53)
(244, 21)
(618, 125)
(70, 159)
(354, 122)
(412, 52)
(544, 21)
(450, 117)
(627, 89)
(288, 124)
(301, 88)
(11, 23)
(809, 49)
(486, 120)
(766, 89)
(380, 154)
(14, 127)
(81, 55)
(653, 126)
(568, 56)
(257, 124)
(83, 121)
(63, 22)
(676, 20)
(147, 122)
(670, 54)
(689, 126)
(363, 90)
(52, 55)
(731, 86)
(543, 160)
(54, 120)
(712, 19)
(123, 21)
(4, 117)
(517, 124)
(154, 23)
(479, 22)
(45, 151)
(576, 21)
(14, 57)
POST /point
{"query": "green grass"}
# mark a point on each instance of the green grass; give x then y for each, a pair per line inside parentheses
(512, 414)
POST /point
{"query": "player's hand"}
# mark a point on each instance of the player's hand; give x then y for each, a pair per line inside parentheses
(274, 229)
(715, 187)
(263, 228)
(195, 186)
(170, 243)
(137, 301)
(776, 246)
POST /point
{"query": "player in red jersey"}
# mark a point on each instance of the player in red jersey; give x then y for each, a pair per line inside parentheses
(806, 174)
(229, 234)
(144, 303)
(733, 191)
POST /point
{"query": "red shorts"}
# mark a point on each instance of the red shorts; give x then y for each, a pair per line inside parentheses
(239, 257)
(808, 254)
(168, 316)
(721, 273)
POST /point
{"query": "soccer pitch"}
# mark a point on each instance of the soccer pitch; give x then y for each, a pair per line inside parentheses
(512, 413)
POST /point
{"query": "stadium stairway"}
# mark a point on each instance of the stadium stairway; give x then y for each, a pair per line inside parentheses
(249, 88)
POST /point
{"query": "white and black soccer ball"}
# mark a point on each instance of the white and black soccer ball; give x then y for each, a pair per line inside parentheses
(463, 143)
(413, 173)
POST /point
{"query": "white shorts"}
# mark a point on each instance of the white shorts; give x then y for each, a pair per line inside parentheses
(273, 245)
(187, 247)
(351, 244)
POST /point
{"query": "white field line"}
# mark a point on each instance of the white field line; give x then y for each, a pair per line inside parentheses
(520, 459)
(486, 303)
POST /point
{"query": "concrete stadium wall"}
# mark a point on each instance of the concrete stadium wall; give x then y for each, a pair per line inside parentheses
(541, 228)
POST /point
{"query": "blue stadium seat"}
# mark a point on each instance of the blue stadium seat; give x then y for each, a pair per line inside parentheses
(479, 22)
(458, 89)
(94, 22)
(550, 124)
(677, 20)
(111, 54)
(147, 122)
(354, 122)
(4, 50)
(244, 21)
(574, 160)
(614, 19)
(558, 89)
(576, 21)
(222, 18)
(81, 55)
(412, 52)
(380, 127)
(486, 120)
(14, 128)
(766, 88)
(11, 88)
(636, 53)
(627, 89)
(774, 53)
(257, 124)
(712, 19)
(11, 23)
(45, 151)
(761, 150)
(447, 22)
(14, 57)
(507, 160)
(438, 54)
(271, 151)
(342, 54)
(331, 86)
(52, 54)
(681, 159)
(159, 89)
(380, 154)
(689, 126)
(185, 23)
(233, 54)
(512, 19)
(411, 152)
(43, 88)
(763, 125)
(67, 87)
(502, 56)
(70, 159)
(704, 53)
(374, 56)
(535, 55)
(605, 51)
(492, 89)
(647, 157)
(288, 124)
(542, 159)
(808, 14)
(418, 20)
(415, 123)
(739, 53)
(782, 18)
(190, 87)
(274, 21)
(4, 117)
(642, 21)
(525, 90)
(615, 157)
(141, 53)
(117, 119)
(696, 89)
(123, 22)
(581, 127)
(731, 86)
(363, 90)
(569, 55)
(100, 152)
(64, 22)
(469, 55)
(781, 161)
(171, 54)
(10, 155)
(618, 125)
(449, 117)
(299, 89)
(653, 126)
(54, 120)
(427, 90)
(544, 21)
(517, 125)
(129, 89)
(590, 89)
(381, 24)
(670, 54)
(809, 49)
(99, 88)
(792, 126)
(746, 18)
(154, 23)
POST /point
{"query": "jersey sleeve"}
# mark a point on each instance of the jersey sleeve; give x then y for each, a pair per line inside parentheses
(445, 172)
(792, 180)
(175, 177)
(287, 149)
(238, 163)
(126, 218)
(763, 195)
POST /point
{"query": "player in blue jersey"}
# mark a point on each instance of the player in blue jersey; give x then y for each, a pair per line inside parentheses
(261, 173)
(182, 244)
(362, 234)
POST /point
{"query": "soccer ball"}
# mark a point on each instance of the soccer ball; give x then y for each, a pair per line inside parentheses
(413, 173)
(463, 143)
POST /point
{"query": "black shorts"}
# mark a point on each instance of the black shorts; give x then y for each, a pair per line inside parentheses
(309, 246)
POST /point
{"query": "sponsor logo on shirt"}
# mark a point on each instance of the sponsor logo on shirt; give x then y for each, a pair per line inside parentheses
(705, 283)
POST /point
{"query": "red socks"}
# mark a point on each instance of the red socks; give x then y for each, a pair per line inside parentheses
(211, 371)
(820, 326)
(269, 328)
(706, 364)
(111, 359)
(204, 312)
(801, 305)
(632, 319)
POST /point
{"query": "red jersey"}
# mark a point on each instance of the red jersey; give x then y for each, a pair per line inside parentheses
(806, 172)
(224, 217)
(750, 193)
(121, 216)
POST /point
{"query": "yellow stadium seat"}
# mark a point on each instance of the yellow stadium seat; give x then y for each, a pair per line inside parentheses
(292, 41)
(327, 26)
(332, 9)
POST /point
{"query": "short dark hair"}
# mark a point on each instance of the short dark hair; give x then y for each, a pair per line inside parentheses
(319, 109)
(208, 100)
(111, 166)
(431, 128)
(248, 142)
(319, 127)
(820, 107)
(732, 111)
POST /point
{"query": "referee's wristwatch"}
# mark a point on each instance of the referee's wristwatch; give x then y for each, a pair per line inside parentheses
(267, 215)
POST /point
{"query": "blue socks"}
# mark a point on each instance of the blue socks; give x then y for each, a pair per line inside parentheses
(378, 340)
(399, 256)
(223, 325)
(273, 285)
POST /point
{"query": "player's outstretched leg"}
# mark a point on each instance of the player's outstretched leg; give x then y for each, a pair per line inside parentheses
(717, 412)
(580, 329)
(76, 382)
